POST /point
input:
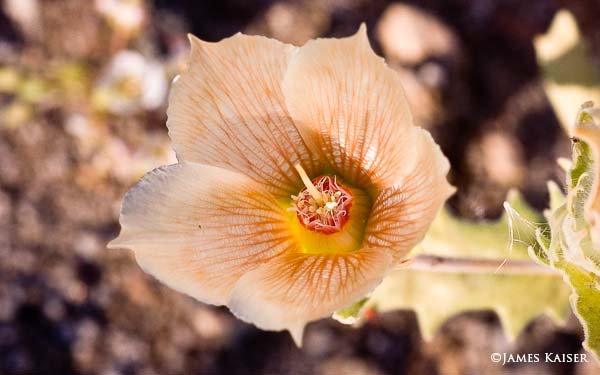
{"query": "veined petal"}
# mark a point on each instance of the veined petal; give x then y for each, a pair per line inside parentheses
(291, 290)
(198, 228)
(403, 212)
(350, 107)
(227, 109)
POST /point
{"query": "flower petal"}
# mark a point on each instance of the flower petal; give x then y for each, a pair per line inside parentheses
(198, 228)
(291, 290)
(227, 109)
(350, 107)
(402, 213)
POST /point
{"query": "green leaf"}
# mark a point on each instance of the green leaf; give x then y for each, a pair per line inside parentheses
(348, 315)
(437, 296)
(569, 242)
(586, 302)
(557, 198)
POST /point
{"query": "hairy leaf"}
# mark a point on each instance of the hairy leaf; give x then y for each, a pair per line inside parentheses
(570, 242)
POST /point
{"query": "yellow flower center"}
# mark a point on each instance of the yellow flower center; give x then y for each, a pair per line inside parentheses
(329, 217)
(322, 206)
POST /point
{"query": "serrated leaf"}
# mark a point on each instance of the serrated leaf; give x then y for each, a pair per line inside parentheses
(571, 245)
(586, 302)
(437, 296)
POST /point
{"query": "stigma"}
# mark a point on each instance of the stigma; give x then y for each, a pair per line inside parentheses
(323, 205)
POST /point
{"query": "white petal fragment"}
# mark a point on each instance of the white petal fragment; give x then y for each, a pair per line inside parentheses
(198, 229)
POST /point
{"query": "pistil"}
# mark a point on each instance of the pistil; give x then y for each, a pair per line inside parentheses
(312, 189)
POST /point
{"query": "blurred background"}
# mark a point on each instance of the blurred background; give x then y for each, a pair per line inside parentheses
(83, 96)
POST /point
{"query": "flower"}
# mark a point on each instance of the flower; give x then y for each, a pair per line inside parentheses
(301, 180)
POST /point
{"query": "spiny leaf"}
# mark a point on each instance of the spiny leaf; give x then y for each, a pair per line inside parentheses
(437, 296)
(586, 302)
(570, 245)
(570, 79)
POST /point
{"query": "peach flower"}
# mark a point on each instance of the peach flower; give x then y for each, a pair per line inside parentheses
(301, 180)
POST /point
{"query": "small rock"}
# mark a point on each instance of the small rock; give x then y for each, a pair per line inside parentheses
(410, 36)
(208, 324)
(502, 158)
(352, 366)
(294, 23)
(127, 348)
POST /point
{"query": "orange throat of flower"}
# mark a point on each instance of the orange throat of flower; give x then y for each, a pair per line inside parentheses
(326, 212)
